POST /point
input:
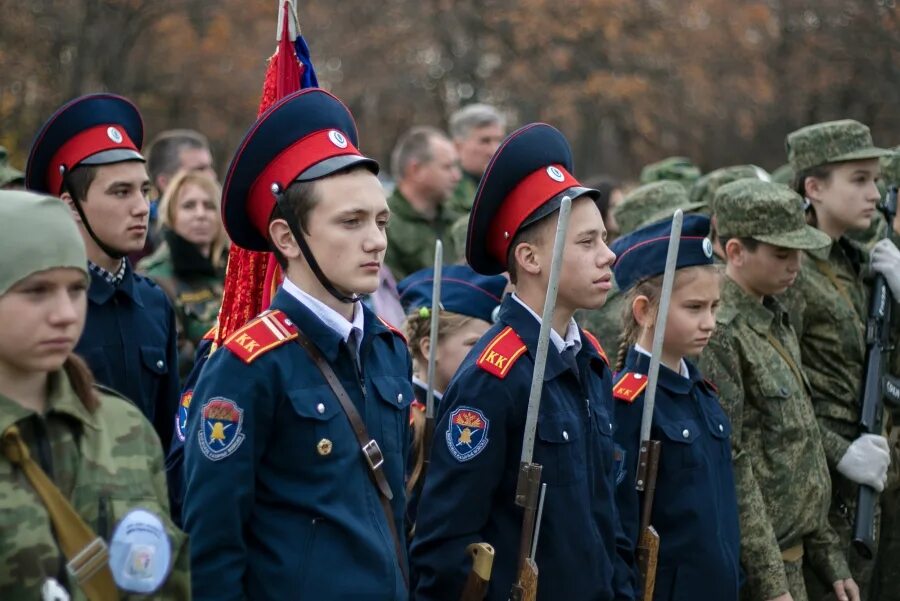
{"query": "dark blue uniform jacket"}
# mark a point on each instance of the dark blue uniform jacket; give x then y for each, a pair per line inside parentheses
(130, 344)
(469, 493)
(278, 502)
(695, 507)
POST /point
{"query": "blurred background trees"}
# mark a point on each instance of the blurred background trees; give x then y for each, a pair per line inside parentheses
(628, 81)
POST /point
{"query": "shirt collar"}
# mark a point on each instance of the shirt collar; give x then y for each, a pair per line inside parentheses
(329, 316)
(572, 339)
(682, 366)
(114, 279)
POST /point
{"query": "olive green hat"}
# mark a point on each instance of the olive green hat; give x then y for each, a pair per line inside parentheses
(9, 175)
(37, 233)
(704, 189)
(767, 212)
(890, 167)
(784, 175)
(676, 169)
(650, 203)
(830, 142)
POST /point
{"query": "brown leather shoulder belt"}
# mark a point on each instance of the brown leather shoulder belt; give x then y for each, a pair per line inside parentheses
(369, 446)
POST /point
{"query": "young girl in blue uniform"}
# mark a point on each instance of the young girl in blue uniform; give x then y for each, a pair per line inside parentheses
(695, 507)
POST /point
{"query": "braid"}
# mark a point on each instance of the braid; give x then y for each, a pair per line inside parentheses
(649, 287)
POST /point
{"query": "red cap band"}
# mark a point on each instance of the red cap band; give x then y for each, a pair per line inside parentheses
(528, 195)
(89, 142)
(288, 165)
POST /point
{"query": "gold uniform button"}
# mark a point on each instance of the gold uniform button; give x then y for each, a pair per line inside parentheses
(324, 447)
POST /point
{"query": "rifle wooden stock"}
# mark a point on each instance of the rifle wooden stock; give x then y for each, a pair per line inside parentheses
(875, 389)
(647, 551)
(480, 574)
(527, 496)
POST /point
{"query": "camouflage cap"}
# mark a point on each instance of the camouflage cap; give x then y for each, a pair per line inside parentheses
(830, 142)
(704, 189)
(676, 169)
(651, 203)
(767, 212)
(784, 175)
(890, 167)
(9, 175)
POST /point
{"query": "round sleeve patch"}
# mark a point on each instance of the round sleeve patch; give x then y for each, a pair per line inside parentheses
(140, 552)
(467, 433)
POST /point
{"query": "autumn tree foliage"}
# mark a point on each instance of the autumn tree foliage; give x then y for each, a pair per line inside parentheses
(629, 82)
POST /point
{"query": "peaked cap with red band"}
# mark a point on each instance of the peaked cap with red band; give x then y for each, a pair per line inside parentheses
(525, 181)
(305, 136)
(97, 129)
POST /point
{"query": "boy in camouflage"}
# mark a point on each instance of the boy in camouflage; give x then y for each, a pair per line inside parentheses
(837, 169)
(754, 358)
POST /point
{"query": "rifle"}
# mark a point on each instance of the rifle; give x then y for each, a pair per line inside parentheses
(529, 493)
(480, 576)
(647, 550)
(877, 387)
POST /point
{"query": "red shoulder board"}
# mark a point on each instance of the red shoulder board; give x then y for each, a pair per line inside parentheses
(394, 330)
(502, 352)
(596, 344)
(267, 331)
(711, 385)
(211, 334)
(629, 387)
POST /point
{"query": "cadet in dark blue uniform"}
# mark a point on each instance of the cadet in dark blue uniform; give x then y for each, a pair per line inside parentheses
(695, 507)
(469, 304)
(88, 153)
(281, 500)
(469, 492)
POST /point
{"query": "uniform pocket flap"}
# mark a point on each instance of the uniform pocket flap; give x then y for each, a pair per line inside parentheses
(683, 431)
(557, 429)
(395, 391)
(719, 426)
(154, 358)
(315, 402)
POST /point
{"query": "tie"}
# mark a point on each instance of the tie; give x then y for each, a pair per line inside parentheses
(87, 553)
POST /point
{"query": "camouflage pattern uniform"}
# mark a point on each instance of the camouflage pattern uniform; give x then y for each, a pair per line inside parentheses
(704, 189)
(106, 463)
(642, 206)
(411, 237)
(784, 489)
(832, 332)
(674, 169)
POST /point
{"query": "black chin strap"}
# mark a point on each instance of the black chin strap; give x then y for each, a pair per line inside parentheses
(307, 252)
(109, 250)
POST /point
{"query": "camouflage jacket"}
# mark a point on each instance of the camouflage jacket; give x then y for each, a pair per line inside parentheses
(784, 489)
(606, 322)
(464, 196)
(411, 237)
(105, 463)
(832, 339)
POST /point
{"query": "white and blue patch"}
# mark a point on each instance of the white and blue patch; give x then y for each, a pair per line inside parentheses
(220, 433)
(182, 415)
(140, 552)
(619, 457)
(467, 433)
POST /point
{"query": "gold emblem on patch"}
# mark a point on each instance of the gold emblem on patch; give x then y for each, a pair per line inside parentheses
(324, 447)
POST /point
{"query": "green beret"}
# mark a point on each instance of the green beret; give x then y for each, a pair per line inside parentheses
(830, 142)
(37, 233)
(767, 212)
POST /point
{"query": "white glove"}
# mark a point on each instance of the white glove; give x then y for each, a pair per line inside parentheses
(866, 461)
(886, 261)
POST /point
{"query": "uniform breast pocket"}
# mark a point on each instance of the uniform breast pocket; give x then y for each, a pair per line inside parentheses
(315, 423)
(395, 394)
(560, 448)
(679, 451)
(720, 430)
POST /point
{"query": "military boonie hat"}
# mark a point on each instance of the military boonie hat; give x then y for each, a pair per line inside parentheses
(305, 136)
(677, 169)
(642, 254)
(704, 189)
(524, 182)
(97, 129)
(830, 142)
(463, 291)
(767, 212)
(9, 175)
(650, 203)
